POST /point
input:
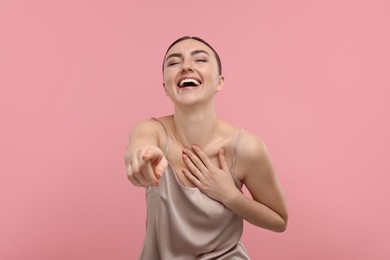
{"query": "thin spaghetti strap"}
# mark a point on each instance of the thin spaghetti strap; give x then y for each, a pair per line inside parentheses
(235, 150)
(166, 135)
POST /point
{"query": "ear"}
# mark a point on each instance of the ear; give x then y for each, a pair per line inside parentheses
(165, 89)
(220, 84)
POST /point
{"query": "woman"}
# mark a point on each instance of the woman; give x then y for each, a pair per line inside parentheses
(193, 165)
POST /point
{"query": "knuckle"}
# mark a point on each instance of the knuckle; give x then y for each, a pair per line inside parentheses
(136, 172)
(137, 175)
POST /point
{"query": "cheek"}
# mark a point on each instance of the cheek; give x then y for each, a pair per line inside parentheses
(169, 84)
(168, 78)
(215, 77)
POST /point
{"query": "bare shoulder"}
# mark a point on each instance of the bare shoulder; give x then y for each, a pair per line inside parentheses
(252, 156)
(148, 127)
(252, 147)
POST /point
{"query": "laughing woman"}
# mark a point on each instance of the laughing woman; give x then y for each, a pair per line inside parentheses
(194, 164)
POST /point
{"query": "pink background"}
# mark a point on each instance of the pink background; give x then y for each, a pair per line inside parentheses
(312, 78)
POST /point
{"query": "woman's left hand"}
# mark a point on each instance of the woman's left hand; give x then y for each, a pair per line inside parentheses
(215, 182)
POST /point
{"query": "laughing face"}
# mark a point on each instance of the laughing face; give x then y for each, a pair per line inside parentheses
(191, 73)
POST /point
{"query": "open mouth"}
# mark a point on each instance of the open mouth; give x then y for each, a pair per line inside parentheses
(189, 82)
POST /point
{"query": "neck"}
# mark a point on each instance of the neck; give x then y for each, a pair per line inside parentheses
(192, 126)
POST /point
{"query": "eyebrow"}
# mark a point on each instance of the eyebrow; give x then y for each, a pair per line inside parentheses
(179, 55)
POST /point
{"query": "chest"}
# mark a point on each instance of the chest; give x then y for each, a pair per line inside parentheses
(175, 159)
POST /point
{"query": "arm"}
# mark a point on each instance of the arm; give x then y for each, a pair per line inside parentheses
(145, 161)
(267, 209)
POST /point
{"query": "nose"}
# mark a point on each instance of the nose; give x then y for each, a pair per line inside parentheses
(186, 66)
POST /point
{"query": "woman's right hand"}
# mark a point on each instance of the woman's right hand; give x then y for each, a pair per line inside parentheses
(146, 165)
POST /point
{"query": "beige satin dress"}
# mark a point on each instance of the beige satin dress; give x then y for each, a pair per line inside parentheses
(184, 223)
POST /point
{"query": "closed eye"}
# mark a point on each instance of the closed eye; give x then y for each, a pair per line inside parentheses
(201, 60)
(172, 64)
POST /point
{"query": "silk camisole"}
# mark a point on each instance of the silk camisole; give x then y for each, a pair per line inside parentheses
(184, 223)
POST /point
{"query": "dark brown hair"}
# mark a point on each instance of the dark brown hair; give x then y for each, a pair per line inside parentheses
(199, 40)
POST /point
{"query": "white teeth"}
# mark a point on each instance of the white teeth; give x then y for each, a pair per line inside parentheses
(197, 83)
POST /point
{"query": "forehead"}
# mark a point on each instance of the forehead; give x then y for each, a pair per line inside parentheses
(189, 45)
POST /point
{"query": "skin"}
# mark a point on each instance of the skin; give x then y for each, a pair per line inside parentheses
(201, 147)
